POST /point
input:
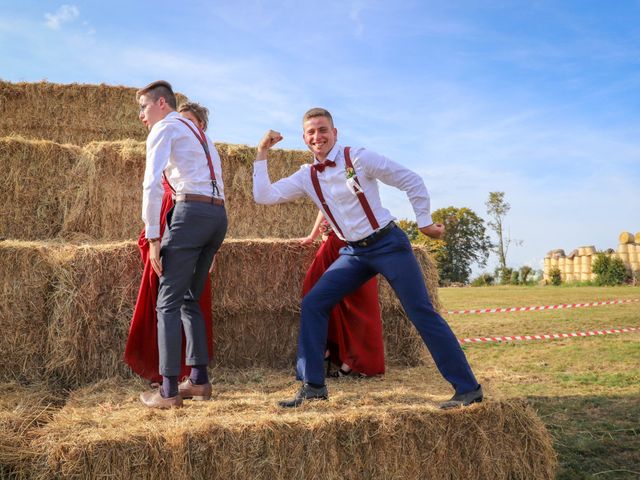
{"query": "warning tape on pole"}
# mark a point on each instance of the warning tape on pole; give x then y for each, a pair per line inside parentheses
(550, 336)
(540, 307)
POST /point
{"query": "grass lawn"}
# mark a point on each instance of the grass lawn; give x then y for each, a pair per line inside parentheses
(587, 390)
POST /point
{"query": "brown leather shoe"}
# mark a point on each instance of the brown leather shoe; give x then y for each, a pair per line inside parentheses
(189, 389)
(154, 399)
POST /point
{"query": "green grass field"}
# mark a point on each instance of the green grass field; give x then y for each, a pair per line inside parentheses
(587, 390)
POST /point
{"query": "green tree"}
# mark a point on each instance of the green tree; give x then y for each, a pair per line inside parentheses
(525, 271)
(609, 271)
(465, 243)
(497, 209)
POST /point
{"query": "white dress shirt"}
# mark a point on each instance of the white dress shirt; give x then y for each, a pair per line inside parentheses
(172, 148)
(342, 202)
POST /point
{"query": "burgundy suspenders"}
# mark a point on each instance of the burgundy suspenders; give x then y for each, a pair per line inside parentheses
(203, 141)
(359, 193)
(316, 186)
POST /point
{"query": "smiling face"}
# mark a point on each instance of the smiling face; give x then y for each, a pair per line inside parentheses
(320, 136)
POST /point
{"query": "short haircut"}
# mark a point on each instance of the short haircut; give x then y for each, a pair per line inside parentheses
(201, 113)
(157, 89)
(317, 112)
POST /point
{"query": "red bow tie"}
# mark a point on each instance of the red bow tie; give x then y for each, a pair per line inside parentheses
(321, 166)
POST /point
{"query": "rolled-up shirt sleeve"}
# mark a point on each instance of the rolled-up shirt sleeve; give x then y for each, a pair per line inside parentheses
(158, 152)
(284, 190)
(391, 173)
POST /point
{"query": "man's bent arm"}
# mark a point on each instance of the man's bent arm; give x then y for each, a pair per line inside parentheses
(284, 190)
(396, 175)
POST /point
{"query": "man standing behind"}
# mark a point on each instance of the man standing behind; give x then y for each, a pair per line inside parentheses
(343, 184)
(178, 150)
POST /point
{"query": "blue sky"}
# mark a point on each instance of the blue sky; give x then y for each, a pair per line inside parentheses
(539, 99)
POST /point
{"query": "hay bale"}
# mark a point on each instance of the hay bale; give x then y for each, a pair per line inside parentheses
(25, 278)
(624, 248)
(72, 113)
(368, 429)
(94, 291)
(626, 237)
(99, 197)
(23, 409)
(256, 288)
(34, 176)
(247, 219)
(107, 185)
(74, 305)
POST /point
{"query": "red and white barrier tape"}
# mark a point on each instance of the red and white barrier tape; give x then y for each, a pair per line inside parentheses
(550, 336)
(541, 307)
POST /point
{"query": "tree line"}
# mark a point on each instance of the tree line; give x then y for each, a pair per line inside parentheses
(466, 242)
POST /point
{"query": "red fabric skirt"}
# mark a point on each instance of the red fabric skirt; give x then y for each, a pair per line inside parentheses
(141, 351)
(355, 326)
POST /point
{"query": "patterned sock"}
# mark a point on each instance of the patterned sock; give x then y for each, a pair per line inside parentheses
(199, 375)
(169, 386)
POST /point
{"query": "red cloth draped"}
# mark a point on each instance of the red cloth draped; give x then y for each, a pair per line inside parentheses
(141, 351)
(355, 326)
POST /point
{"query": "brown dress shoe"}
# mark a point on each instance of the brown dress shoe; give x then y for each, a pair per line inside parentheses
(189, 389)
(154, 399)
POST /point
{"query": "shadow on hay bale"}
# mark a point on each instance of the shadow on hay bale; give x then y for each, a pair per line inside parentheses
(70, 307)
(103, 430)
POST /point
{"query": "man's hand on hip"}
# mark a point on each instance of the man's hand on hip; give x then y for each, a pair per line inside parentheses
(269, 140)
(435, 231)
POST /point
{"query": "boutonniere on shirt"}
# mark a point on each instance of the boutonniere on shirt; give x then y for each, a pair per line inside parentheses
(350, 173)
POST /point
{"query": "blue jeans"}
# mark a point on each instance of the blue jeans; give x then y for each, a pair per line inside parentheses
(193, 235)
(391, 256)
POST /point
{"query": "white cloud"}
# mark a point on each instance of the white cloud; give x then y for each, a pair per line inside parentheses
(66, 13)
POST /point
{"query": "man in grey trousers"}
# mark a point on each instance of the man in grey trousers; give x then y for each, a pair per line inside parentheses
(179, 152)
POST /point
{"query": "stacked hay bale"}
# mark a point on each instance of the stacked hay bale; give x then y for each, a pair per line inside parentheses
(577, 266)
(629, 251)
(75, 318)
(586, 255)
(239, 435)
(69, 272)
(74, 113)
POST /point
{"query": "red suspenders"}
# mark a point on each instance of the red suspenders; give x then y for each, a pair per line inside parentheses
(203, 141)
(359, 193)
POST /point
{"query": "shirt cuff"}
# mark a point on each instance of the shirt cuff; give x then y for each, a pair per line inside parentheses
(423, 220)
(152, 231)
(259, 165)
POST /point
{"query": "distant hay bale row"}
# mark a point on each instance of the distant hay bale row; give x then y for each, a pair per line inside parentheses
(68, 307)
(95, 192)
(75, 113)
(240, 435)
(577, 266)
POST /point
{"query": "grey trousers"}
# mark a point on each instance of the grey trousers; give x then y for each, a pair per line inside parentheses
(193, 235)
